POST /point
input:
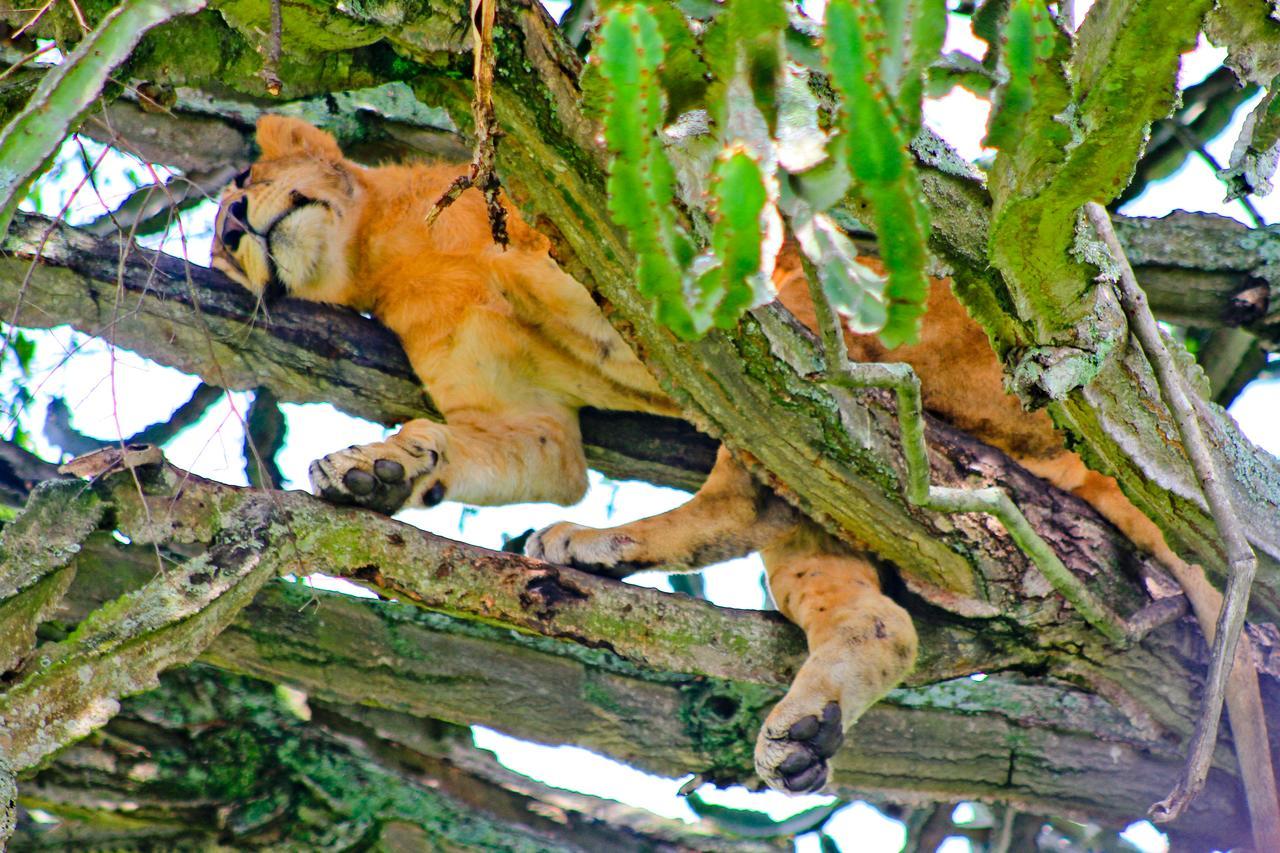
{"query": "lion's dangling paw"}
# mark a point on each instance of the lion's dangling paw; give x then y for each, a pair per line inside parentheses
(791, 754)
(600, 552)
(381, 476)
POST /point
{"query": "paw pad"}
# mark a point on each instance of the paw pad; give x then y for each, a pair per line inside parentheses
(809, 742)
(351, 477)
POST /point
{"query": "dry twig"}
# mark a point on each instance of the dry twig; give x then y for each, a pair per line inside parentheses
(271, 63)
(1249, 725)
(481, 175)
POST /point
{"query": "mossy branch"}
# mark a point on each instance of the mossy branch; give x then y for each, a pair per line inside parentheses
(641, 675)
(902, 380)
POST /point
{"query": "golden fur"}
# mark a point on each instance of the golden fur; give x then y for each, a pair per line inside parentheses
(510, 347)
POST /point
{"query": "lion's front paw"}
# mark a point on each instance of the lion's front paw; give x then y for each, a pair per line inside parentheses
(382, 477)
(601, 552)
(793, 747)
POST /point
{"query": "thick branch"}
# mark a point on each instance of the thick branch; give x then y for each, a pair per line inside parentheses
(196, 320)
(213, 760)
(669, 683)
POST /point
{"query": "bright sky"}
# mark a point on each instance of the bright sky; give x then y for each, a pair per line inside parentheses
(114, 393)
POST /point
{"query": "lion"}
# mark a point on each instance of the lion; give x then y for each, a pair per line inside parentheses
(510, 347)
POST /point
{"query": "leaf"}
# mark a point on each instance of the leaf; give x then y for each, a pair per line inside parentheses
(24, 349)
(852, 288)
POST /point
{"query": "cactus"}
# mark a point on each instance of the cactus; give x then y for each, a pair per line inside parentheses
(746, 38)
(1030, 39)
(641, 180)
(874, 143)
(738, 200)
(913, 33)
(689, 294)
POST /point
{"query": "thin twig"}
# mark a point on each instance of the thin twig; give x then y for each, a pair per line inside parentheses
(1002, 832)
(1241, 562)
(482, 174)
(13, 36)
(75, 9)
(1189, 140)
(271, 66)
(27, 58)
(900, 378)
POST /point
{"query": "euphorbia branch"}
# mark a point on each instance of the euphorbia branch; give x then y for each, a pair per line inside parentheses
(902, 380)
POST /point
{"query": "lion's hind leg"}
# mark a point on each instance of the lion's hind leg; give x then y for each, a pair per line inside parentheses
(730, 516)
(861, 644)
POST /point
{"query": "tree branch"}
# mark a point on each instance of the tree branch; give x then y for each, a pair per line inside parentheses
(196, 320)
(633, 673)
(306, 771)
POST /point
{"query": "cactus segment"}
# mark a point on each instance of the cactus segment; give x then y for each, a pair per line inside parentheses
(738, 201)
(1028, 42)
(641, 180)
(747, 35)
(875, 145)
(913, 34)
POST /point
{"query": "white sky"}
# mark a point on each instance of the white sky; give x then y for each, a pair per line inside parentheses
(114, 393)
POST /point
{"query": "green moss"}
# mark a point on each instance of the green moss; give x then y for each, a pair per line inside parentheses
(721, 719)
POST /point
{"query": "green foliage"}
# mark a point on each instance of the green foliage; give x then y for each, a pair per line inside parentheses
(913, 31)
(641, 181)
(746, 39)
(21, 350)
(874, 144)
(752, 100)
(1029, 38)
(739, 198)
(29, 140)
(690, 295)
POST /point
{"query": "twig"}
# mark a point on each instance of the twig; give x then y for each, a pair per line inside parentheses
(39, 51)
(930, 832)
(482, 174)
(1242, 564)
(13, 36)
(271, 66)
(1188, 139)
(900, 378)
(1003, 831)
(75, 9)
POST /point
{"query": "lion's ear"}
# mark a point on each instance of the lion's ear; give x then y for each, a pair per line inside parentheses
(281, 136)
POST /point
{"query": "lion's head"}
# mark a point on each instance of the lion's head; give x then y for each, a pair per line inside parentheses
(286, 224)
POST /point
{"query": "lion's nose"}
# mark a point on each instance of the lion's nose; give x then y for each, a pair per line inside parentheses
(233, 226)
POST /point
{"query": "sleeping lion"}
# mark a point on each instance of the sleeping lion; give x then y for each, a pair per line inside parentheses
(510, 347)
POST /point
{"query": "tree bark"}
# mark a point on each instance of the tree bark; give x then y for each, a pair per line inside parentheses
(670, 684)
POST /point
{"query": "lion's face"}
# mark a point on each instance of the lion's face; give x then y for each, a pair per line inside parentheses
(284, 226)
